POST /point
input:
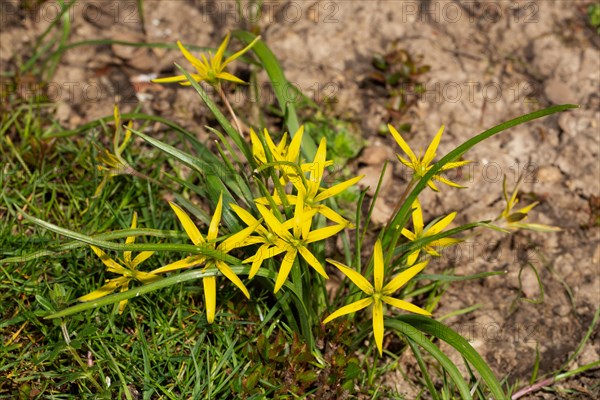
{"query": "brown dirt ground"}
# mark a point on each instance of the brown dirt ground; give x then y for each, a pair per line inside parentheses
(490, 61)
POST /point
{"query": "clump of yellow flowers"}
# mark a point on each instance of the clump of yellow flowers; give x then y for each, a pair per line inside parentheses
(293, 212)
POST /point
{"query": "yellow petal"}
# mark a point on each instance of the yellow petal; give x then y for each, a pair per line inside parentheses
(131, 239)
(258, 150)
(213, 229)
(145, 277)
(405, 305)
(140, 258)
(412, 257)
(448, 182)
(239, 53)
(239, 239)
(273, 223)
(378, 266)
(528, 208)
(403, 277)
(312, 261)
(262, 254)
(445, 242)
(441, 224)
(172, 79)
(112, 265)
(188, 225)
(417, 217)
(210, 297)
(111, 286)
(323, 233)
(316, 173)
(333, 216)
(408, 234)
(430, 153)
(337, 189)
(403, 145)
(193, 60)
(220, 51)
(225, 270)
(350, 308)
(229, 77)
(187, 262)
(293, 151)
(378, 325)
(354, 276)
(284, 270)
(455, 164)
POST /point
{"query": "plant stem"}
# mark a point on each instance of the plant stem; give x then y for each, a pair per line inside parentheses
(238, 126)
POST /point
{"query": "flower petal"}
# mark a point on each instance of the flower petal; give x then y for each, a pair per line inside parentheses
(405, 305)
(239, 53)
(210, 297)
(378, 325)
(350, 308)
(213, 229)
(229, 77)
(340, 187)
(430, 153)
(193, 60)
(312, 261)
(216, 61)
(284, 270)
(239, 239)
(111, 286)
(188, 225)
(403, 145)
(378, 266)
(112, 265)
(417, 217)
(412, 257)
(273, 223)
(187, 262)
(323, 233)
(359, 280)
(140, 258)
(441, 224)
(293, 151)
(225, 270)
(403, 277)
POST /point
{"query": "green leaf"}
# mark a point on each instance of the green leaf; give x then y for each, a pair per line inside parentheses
(416, 335)
(442, 332)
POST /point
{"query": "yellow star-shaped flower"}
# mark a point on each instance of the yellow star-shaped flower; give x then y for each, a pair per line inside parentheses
(422, 165)
(421, 232)
(378, 294)
(211, 69)
(126, 267)
(233, 242)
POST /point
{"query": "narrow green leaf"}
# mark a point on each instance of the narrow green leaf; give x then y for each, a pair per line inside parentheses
(442, 332)
(416, 335)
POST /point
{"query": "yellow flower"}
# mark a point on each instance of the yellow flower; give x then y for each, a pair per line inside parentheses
(514, 220)
(113, 163)
(378, 294)
(126, 268)
(422, 232)
(311, 191)
(211, 69)
(292, 243)
(233, 242)
(421, 166)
